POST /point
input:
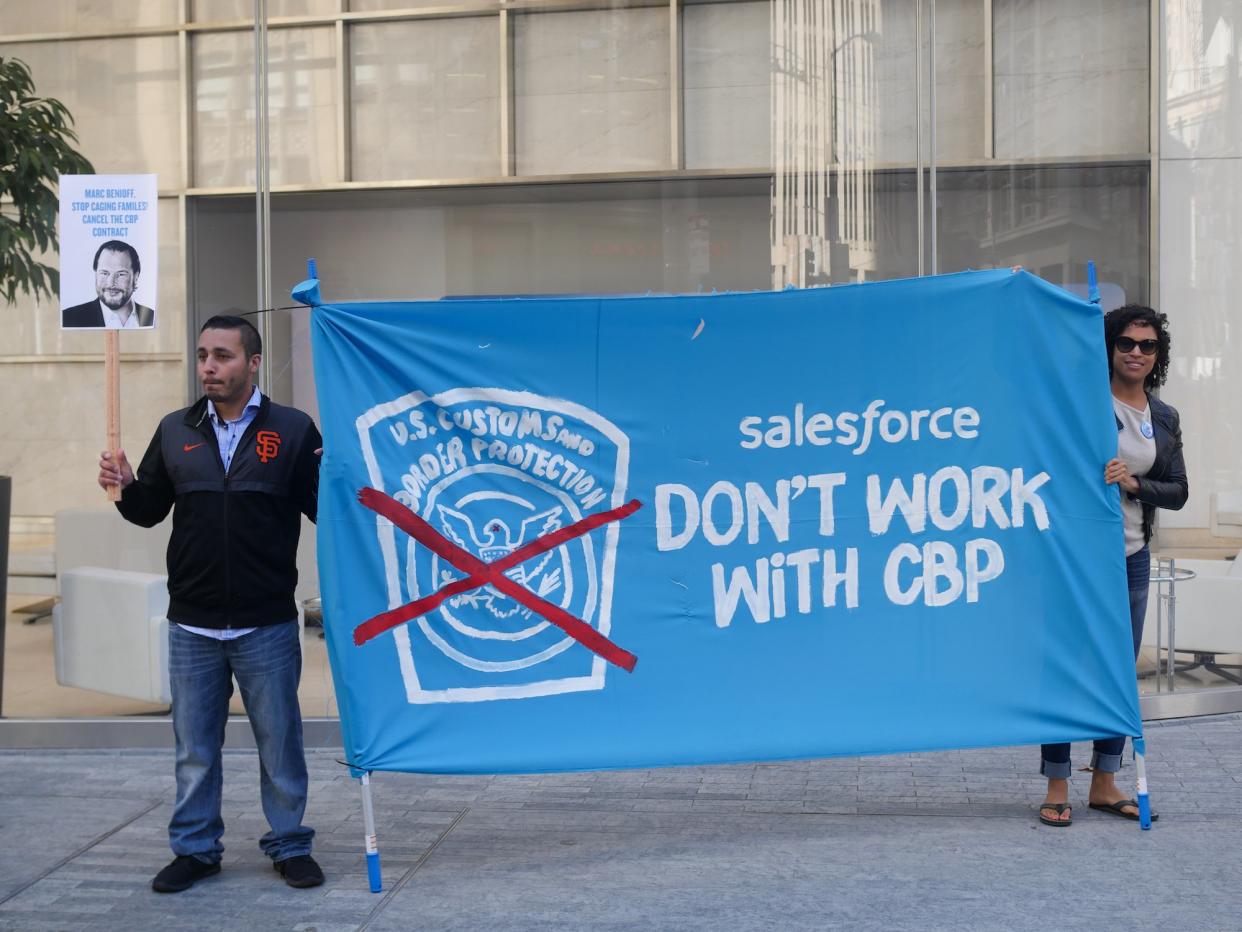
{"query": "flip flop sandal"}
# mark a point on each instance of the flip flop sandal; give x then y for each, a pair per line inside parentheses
(1058, 808)
(1119, 809)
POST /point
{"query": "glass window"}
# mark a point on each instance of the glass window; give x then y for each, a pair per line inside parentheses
(1201, 227)
(592, 91)
(426, 99)
(1203, 42)
(302, 97)
(727, 75)
(25, 17)
(124, 96)
(1050, 221)
(1071, 78)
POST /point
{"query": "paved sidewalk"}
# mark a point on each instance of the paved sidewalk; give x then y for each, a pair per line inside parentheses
(919, 841)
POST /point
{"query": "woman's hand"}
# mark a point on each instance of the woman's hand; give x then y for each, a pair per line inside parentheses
(1117, 473)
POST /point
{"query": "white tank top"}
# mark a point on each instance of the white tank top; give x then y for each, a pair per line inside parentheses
(1136, 447)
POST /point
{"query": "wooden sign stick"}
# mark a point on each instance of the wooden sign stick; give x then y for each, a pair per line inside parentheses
(112, 400)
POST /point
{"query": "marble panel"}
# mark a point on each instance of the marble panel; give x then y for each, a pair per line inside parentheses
(592, 91)
(24, 17)
(615, 131)
(1070, 79)
(54, 426)
(426, 99)
(302, 97)
(207, 11)
(727, 85)
(33, 328)
(124, 96)
(1200, 279)
(360, 6)
(1201, 100)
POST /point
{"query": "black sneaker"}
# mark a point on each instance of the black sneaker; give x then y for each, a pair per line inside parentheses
(300, 871)
(182, 874)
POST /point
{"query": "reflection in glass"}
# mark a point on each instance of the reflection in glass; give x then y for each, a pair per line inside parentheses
(301, 103)
(1203, 110)
(1051, 221)
(1201, 226)
(823, 118)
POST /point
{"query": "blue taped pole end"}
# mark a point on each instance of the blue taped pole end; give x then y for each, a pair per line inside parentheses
(1093, 288)
(307, 292)
(1144, 805)
(1139, 745)
(373, 872)
(312, 269)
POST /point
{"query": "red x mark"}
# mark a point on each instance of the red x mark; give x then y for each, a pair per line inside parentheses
(491, 574)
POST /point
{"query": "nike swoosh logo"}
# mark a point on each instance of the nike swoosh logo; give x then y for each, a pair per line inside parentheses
(191, 446)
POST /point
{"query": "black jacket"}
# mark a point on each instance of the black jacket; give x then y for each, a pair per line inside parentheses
(1165, 485)
(232, 556)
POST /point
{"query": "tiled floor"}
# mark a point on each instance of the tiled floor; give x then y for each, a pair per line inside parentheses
(917, 841)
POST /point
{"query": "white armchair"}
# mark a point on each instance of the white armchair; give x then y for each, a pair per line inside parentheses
(110, 633)
(1208, 619)
(109, 630)
(1225, 511)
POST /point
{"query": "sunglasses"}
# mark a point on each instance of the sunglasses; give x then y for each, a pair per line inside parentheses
(1146, 347)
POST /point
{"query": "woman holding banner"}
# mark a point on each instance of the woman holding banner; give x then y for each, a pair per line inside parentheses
(1151, 474)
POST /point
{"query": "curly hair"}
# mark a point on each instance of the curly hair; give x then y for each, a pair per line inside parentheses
(1115, 323)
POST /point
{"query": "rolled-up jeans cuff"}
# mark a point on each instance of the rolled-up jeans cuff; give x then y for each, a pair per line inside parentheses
(1105, 763)
(1055, 770)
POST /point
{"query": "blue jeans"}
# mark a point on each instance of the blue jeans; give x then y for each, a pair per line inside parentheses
(268, 664)
(1106, 756)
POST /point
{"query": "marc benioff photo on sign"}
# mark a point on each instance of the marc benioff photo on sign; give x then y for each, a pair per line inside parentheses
(117, 272)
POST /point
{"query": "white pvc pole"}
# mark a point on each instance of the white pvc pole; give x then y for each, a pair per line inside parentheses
(368, 819)
(1140, 767)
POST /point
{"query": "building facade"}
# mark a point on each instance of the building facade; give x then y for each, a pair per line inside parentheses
(568, 146)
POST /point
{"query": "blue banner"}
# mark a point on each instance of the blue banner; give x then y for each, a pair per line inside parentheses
(559, 534)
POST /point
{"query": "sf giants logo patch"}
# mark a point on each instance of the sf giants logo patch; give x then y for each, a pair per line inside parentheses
(267, 445)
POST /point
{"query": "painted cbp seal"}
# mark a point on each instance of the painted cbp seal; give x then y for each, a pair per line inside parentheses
(492, 470)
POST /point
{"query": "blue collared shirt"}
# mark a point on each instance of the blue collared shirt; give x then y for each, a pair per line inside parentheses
(229, 433)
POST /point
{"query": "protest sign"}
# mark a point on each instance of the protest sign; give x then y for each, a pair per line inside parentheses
(109, 256)
(560, 534)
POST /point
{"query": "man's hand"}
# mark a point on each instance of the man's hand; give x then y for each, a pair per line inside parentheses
(114, 471)
(1116, 472)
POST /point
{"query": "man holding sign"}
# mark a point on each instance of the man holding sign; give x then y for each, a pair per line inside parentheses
(238, 471)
